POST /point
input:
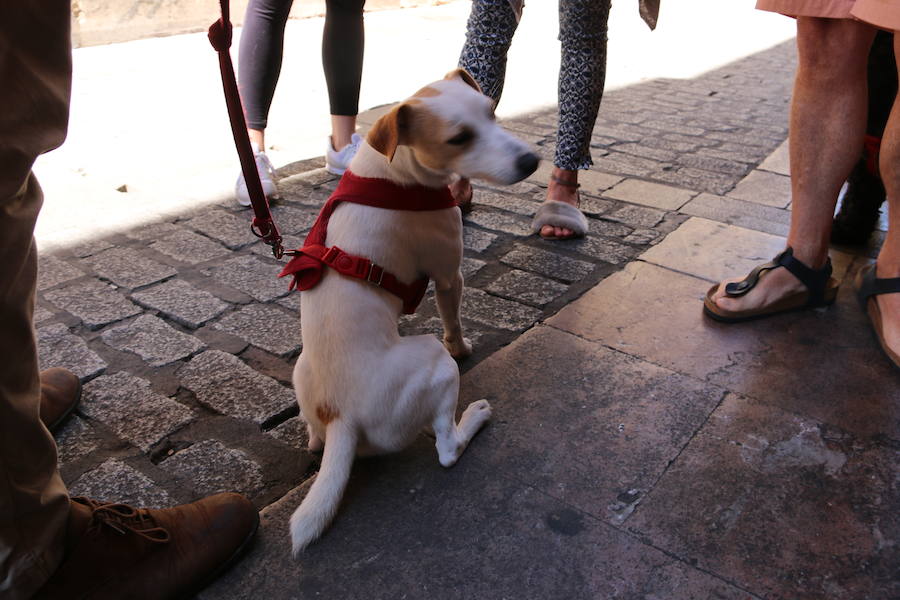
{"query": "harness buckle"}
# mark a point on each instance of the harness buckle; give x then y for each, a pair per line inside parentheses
(372, 267)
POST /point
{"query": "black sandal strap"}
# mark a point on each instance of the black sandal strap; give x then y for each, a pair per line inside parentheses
(815, 280)
(873, 286)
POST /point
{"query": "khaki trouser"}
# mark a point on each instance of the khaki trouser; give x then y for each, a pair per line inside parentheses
(35, 78)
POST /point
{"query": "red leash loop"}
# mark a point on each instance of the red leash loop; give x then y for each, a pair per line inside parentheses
(263, 226)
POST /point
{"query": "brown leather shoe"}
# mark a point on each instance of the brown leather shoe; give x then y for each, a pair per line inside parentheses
(60, 394)
(114, 551)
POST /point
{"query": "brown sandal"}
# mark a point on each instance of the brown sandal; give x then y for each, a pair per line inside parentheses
(867, 287)
(821, 290)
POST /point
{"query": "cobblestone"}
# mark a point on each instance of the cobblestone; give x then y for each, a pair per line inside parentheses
(292, 432)
(153, 340)
(252, 276)
(126, 267)
(265, 327)
(488, 197)
(225, 227)
(292, 221)
(115, 481)
(189, 247)
(547, 263)
(209, 467)
(58, 347)
(738, 212)
(477, 240)
(225, 384)
(498, 221)
(95, 303)
(75, 439)
(608, 251)
(637, 216)
(650, 194)
(153, 231)
(497, 312)
(182, 302)
(41, 314)
(53, 271)
(470, 266)
(132, 410)
(527, 288)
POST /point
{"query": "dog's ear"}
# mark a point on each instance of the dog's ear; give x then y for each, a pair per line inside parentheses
(465, 76)
(390, 130)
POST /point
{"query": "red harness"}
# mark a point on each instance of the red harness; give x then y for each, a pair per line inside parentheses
(314, 256)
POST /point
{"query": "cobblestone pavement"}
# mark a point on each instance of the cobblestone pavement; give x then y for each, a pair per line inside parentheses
(185, 341)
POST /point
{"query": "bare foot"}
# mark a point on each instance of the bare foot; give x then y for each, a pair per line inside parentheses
(557, 189)
(772, 286)
(461, 190)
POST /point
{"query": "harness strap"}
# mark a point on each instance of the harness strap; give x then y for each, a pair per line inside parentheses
(360, 267)
(263, 226)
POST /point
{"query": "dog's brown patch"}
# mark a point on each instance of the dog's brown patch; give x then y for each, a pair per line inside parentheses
(466, 77)
(326, 414)
(389, 131)
(427, 92)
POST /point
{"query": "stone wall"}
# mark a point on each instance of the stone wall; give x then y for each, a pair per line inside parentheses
(97, 22)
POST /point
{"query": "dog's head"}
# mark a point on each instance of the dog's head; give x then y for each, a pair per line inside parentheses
(449, 126)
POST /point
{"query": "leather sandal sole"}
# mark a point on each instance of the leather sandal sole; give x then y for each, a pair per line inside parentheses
(877, 326)
(794, 302)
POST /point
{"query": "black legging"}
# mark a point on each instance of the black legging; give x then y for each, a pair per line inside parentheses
(262, 45)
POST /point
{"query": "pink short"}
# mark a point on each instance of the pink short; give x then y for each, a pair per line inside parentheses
(881, 13)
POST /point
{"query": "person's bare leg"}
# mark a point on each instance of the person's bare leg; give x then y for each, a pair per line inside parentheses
(342, 129)
(889, 257)
(561, 193)
(258, 137)
(827, 125)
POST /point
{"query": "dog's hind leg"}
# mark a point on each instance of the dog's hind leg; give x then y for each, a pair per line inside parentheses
(452, 438)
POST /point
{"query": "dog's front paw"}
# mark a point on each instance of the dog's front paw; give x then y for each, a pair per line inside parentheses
(459, 348)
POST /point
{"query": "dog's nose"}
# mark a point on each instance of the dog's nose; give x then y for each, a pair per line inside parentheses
(527, 163)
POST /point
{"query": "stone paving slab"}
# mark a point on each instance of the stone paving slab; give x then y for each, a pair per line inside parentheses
(128, 268)
(255, 277)
(749, 215)
(466, 532)
(181, 302)
(851, 387)
(228, 386)
(58, 347)
(209, 467)
(115, 481)
(781, 505)
(153, 340)
(264, 326)
(53, 271)
(764, 187)
(188, 247)
(132, 410)
(94, 302)
(650, 194)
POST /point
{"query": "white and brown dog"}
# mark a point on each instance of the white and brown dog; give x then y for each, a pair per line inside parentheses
(361, 386)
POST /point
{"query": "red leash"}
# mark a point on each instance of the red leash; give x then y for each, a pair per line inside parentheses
(262, 226)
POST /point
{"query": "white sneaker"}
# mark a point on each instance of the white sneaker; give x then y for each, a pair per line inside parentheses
(266, 177)
(337, 162)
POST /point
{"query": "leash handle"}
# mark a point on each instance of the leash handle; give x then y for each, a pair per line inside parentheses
(263, 226)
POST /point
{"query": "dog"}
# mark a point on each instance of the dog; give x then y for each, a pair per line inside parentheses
(362, 388)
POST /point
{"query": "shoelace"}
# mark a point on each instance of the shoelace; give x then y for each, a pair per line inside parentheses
(123, 518)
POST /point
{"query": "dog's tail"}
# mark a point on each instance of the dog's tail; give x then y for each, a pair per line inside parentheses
(321, 503)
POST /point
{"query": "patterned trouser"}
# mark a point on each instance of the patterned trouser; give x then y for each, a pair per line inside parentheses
(582, 70)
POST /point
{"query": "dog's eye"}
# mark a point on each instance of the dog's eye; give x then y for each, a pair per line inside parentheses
(463, 137)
